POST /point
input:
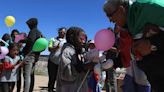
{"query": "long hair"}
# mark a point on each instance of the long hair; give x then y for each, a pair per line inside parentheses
(13, 31)
(72, 37)
(6, 37)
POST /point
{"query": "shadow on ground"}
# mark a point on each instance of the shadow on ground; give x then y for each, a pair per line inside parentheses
(44, 89)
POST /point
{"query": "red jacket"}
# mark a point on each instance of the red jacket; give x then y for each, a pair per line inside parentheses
(125, 44)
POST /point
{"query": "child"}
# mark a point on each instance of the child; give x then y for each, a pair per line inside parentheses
(98, 73)
(13, 35)
(21, 45)
(71, 72)
(10, 69)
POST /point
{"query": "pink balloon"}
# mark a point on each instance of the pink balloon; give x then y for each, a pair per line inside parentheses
(19, 37)
(4, 51)
(104, 39)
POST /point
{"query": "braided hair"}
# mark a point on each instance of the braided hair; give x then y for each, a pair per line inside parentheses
(72, 38)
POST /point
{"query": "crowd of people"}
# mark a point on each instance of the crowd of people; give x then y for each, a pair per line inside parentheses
(20, 58)
(76, 65)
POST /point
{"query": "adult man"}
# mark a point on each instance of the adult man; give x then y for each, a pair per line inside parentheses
(30, 57)
(55, 45)
(135, 18)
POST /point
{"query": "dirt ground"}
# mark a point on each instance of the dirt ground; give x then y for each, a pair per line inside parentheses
(41, 83)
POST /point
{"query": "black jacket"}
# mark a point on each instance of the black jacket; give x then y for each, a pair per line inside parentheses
(33, 35)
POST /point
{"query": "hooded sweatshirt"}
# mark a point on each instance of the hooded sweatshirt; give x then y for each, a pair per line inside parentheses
(33, 35)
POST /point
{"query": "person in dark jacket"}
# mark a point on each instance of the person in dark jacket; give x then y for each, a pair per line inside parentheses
(30, 57)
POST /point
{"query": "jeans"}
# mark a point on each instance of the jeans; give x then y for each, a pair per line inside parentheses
(129, 85)
(52, 72)
(28, 73)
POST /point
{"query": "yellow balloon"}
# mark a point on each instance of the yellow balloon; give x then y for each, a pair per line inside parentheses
(9, 21)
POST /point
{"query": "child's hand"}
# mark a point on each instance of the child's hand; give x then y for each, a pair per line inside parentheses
(17, 63)
(21, 64)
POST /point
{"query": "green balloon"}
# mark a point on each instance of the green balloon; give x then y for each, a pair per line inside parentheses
(40, 45)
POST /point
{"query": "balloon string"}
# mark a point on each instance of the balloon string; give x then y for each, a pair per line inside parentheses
(9, 30)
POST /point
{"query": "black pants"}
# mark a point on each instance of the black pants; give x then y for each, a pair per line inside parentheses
(52, 72)
(109, 81)
(7, 86)
(19, 80)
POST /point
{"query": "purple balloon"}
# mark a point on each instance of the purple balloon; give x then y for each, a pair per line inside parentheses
(104, 39)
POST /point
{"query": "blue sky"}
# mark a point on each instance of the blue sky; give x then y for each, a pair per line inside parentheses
(52, 14)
